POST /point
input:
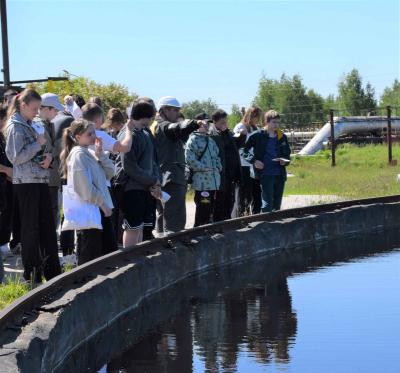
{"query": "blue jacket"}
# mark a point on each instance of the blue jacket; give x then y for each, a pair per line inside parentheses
(255, 147)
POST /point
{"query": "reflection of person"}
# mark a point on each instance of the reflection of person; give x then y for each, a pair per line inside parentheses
(276, 319)
(167, 352)
(260, 315)
(269, 152)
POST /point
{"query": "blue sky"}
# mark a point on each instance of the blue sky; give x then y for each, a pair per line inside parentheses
(198, 49)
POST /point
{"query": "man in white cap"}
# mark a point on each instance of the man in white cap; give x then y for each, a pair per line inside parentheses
(48, 110)
(170, 136)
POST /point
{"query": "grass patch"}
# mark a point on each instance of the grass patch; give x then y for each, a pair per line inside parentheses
(12, 290)
(360, 172)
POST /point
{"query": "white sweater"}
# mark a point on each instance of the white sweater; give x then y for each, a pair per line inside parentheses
(88, 176)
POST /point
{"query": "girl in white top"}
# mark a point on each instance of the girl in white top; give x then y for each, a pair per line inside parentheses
(87, 172)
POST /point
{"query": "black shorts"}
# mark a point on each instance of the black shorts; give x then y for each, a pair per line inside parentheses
(138, 209)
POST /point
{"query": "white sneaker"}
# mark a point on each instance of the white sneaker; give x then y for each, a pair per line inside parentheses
(69, 260)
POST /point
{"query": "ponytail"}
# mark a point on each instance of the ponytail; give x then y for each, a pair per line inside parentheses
(26, 96)
(77, 127)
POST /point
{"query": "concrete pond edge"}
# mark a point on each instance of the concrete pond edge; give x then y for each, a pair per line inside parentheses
(52, 341)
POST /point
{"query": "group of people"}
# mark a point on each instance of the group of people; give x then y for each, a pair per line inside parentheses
(77, 180)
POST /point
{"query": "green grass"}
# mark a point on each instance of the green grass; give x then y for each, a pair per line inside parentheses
(11, 290)
(360, 172)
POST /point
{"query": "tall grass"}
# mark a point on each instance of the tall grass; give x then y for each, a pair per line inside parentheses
(360, 172)
(11, 290)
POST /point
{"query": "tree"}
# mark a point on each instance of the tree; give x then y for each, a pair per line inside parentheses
(316, 106)
(391, 95)
(112, 94)
(289, 97)
(192, 108)
(353, 99)
(235, 116)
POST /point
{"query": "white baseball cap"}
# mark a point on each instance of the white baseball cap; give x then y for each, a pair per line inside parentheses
(168, 101)
(51, 100)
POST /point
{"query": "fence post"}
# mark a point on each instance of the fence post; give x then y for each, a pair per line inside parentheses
(333, 158)
(389, 133)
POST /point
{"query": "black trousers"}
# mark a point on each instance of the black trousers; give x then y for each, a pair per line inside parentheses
(109, 239)
(38, 232)
(204, 201)
(256, 200)
(67, 241)
(249, 194)
(89, 244)
(9, 219)
(54, 203)
(224, 201)
(245, 193)
(94, 243)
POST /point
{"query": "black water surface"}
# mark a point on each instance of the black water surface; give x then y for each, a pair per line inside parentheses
(330, 308)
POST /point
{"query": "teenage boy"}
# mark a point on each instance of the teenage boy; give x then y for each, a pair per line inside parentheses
(270, 156)
(94, 113)
(142, 175)
(231, 169)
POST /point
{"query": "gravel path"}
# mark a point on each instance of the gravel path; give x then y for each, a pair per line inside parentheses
(287, 203)
(13, 265)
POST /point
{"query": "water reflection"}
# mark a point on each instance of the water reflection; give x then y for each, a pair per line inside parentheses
(237, 317)
(259, 318)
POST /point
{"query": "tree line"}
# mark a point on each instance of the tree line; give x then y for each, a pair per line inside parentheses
(301, 107)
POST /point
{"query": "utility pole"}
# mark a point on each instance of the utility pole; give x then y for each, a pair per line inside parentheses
(333, 162)
(389, 134)
(4, 43)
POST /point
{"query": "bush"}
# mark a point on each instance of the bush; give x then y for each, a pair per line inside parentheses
(112, 94)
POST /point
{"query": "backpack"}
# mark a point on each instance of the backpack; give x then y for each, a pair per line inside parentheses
(189, 171)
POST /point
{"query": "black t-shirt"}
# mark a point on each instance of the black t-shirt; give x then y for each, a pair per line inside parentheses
(231, 158)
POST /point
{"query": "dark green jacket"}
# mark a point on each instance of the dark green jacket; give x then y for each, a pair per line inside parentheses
(256, 145)
(170, 139)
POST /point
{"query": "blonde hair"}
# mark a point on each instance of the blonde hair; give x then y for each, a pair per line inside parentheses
(113, 119)
(269, 115)
(251, 113)
(26, 96)
(77, 127)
